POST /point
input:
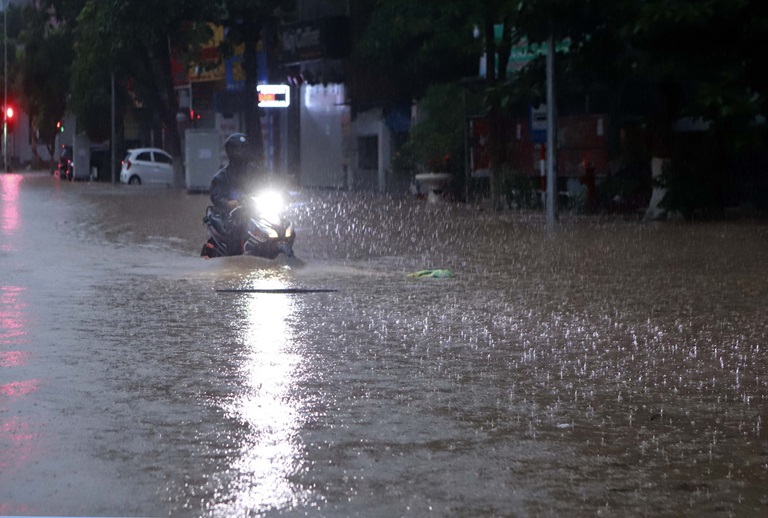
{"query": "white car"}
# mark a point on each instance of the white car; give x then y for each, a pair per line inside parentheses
(147, 166)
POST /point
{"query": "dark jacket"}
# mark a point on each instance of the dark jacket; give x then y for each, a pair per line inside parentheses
(228, 184)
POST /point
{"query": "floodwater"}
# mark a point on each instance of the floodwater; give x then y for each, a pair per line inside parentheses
(606, 368)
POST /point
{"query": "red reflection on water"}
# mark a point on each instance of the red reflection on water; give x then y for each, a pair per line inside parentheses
(13, 358)
(9, 297)
(8, 509)
(12, 321)
(18, 443)
(9, 193)
(19, 388)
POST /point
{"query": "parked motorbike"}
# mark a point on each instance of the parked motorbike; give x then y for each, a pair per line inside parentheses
(256, 227)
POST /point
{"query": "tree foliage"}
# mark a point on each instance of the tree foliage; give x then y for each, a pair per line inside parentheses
(43, 70)
(661, 59)
(437, 141)
(703, 57)
(132, 39)
(416, 44)
(655, 61)
(73, 49)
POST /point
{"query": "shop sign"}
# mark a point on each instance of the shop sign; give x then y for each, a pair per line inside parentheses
(324, 38)
(274, 96)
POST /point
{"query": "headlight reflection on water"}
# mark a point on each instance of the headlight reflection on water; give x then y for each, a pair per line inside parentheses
(266, 403)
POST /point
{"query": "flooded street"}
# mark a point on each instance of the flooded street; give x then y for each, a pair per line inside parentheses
(607, 367)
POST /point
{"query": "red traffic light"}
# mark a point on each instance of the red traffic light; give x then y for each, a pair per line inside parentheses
(9, 113)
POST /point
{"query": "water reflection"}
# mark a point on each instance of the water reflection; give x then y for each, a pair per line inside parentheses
(9, 215)
(12, 321)
(611, 370)
(22, 444)
(19, 388)
(19, 440)
(12, 358)
(271, 454)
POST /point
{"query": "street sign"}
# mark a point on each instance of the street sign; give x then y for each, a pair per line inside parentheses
(539, 124)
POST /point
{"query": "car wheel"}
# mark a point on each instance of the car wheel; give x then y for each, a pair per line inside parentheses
(135, 180)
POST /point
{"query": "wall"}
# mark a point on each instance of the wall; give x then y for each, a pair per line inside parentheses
(324, 118)
(371, 124)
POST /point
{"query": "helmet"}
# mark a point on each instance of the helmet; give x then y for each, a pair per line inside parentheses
(237, 149)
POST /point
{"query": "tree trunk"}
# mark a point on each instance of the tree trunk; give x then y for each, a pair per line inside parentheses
(169, 107)
(33, 139)
(168, 103)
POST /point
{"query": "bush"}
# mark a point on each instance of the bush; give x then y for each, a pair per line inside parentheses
(514, 189)
(436, 143)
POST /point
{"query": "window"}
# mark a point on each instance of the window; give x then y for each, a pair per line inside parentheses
(162, 158)
(146, 156)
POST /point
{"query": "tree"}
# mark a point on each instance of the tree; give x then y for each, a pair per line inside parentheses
(656, 60)
(132, 39)
(415, 44)
(90, 99)
(705, 57)
(437, 142)
(44, 71)
(701, 59)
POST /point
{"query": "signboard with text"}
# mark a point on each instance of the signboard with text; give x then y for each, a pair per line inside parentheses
(323, 38)
(274, 96)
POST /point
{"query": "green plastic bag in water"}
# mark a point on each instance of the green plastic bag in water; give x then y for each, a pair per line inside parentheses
(438, 273)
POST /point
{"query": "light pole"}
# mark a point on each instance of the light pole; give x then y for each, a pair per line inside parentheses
(5, 86)
(551, 128)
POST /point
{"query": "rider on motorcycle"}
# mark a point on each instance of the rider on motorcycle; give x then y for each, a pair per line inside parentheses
(230, 184)
(256, 228)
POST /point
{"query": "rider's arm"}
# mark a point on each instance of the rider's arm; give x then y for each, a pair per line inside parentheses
(220, 194)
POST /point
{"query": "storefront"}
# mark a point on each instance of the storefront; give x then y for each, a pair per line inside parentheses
(311, 54)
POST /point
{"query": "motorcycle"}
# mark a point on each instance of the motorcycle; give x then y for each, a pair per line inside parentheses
(256, 227)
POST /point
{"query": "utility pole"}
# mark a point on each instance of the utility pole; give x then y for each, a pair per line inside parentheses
(112, 136)
(5, 90)
(551, 122)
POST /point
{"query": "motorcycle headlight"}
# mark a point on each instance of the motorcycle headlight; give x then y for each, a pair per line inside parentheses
(269, 205)
(266, 228)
